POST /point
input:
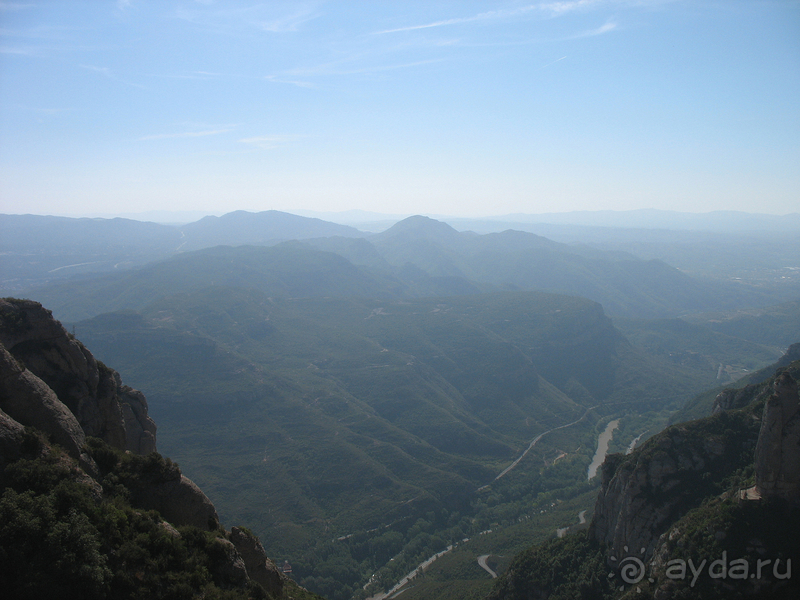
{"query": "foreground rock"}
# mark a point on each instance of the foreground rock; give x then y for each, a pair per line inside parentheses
(49, 382)
(92, 393)
(680, 516)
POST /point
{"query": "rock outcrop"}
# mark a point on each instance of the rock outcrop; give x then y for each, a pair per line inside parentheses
(675, 518)
(260, 568)
(10, 440)
(777, 460)
(50, 382)
(91, 392)
(28, 400)
(642, 494)
(178, 499)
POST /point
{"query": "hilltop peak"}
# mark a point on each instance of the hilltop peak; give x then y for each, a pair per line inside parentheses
(420, 225)
(266, 227)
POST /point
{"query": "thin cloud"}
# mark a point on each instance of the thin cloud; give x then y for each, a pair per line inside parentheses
(185, 134)
(229, 20)
(380, 68)
(609, 26)
(287, 23)
(42, 32)
(44, 111)
(552, 8)
(298, 83)
(560, 8)
(492, 14)
(329, 69)
(23, 51)
(554, 62)
(16, 5)
(270, 141)
(203, 75)
(106, 72)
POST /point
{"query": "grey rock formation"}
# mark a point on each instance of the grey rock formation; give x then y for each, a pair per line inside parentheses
(729, 399)
(232, 570)
(777, 460)
(91, 392)
(178, 500)
(643, 493)
(51, 382)
(10, 439)
(140, 430)
(260, 568)
(29, 401)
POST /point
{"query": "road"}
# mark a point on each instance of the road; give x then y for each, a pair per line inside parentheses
(485, 567)
(395, 591)
(562, 531)
(536, 440)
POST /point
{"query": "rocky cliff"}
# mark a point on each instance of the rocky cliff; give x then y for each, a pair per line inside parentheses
(705, 509)
(50, 383)
(642, 494)
(50, 362)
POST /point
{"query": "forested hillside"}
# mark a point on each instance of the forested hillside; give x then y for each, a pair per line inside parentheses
(367, 402)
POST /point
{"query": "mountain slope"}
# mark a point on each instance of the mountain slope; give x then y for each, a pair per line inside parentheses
(320, 418)
(37, 249)
(88, 509)
(286, 270)
(623, 284)
(686, 495)
(268, 227)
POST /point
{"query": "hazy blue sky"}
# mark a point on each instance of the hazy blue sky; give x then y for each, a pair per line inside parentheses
(469, 108)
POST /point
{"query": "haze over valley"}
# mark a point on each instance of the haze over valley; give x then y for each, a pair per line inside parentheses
(358, 301)
(364, 401)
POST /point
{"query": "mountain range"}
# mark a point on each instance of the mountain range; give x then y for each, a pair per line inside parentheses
(417, 257)
(367, 401)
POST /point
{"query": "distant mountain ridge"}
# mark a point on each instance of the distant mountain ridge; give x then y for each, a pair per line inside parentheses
(39, 250)
(35, 250)
(623, 284)
(268, 227)
(648, 218)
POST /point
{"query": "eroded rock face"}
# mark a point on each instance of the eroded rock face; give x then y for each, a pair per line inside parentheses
(729, 399)
(260, 568)
(140, 430)
(51, 382)
(644, 493)
(91, 392)
(231, 571)
(29, 401)
(777, 460)
(176, 498)
(10, 441)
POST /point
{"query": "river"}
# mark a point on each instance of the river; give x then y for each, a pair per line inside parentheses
(602, 447)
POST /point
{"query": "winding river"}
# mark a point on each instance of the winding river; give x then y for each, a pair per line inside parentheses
(602, 447)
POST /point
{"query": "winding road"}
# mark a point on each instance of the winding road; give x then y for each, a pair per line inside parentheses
(562, 531)
(535, 441)
(485, 567)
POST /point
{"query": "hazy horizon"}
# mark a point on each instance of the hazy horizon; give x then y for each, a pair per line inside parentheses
(473, 109)
(356, 214)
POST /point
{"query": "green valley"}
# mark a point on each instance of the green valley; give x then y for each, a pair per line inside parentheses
(368, 404)
(316, 419)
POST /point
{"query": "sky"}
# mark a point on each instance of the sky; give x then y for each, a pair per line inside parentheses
(435, 107)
